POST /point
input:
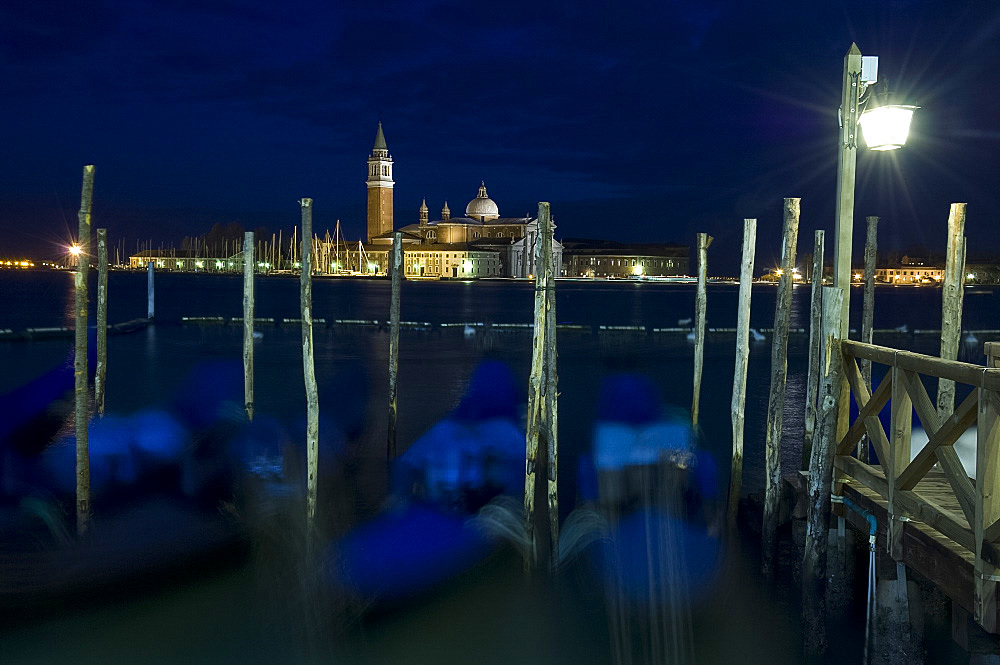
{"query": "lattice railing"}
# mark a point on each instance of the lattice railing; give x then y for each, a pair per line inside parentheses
(896, 476)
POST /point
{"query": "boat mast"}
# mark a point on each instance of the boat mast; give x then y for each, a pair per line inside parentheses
(336, 245)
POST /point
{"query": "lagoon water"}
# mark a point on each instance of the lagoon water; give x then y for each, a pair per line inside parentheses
(214, 618)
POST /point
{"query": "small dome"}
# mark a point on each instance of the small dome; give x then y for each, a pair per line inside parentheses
(482, 207)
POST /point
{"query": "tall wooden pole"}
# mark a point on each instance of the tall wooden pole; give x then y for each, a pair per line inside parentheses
(80, 354)
(821, 475)
(951, 305)
(847, 161)
(779, 372)
(704, 240)
(248, 316)
(150, 292)
(815, 328)
(397, 284)
(309, 366)
(551, 415)
(868, 314)
(102, 320)
(987, 500)
(738, 406)
(540, 424)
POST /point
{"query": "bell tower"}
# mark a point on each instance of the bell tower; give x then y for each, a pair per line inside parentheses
(379, 187)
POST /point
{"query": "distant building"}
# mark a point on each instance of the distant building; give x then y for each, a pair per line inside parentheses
(511, 240)
(606, 258)
(188, 261)
(982, 273)
(910, 274)
(438, 260)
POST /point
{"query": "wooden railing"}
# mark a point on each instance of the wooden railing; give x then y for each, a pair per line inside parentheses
(976, 526)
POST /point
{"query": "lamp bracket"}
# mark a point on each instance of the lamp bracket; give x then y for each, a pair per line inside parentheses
(850, 127)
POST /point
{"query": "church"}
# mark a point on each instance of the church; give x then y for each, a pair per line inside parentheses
(479, 244)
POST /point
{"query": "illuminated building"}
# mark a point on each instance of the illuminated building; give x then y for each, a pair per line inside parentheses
(606, 258)
(480, 231)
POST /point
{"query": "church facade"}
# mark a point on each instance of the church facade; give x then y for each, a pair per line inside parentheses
(479, 244)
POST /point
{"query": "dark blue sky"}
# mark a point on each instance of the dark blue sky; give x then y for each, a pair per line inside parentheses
(638, 121)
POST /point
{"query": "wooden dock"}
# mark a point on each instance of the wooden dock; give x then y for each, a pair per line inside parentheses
(932, 516)
(925, 550)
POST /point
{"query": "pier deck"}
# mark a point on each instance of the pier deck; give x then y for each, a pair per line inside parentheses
(932, 516)
(925, 550)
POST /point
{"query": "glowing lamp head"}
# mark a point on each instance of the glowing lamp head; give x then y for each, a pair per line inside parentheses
(74, 250)
(637, 271)
(886, 127)
(467, 265)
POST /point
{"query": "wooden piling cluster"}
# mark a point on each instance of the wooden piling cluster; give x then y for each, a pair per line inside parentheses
(542, 421)
(951, 303)
(80, 353)
(396, 270)
(101, 374)
(738, 404)
(700, 303)
(821, 469)
(150, 292)
(248, 307)
(779, 371)
(868, 312)
(815, 338)
(309, 368)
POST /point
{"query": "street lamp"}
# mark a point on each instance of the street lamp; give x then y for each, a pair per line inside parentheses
(885, 127)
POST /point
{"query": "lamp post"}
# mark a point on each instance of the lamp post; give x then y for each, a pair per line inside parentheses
(885, 127)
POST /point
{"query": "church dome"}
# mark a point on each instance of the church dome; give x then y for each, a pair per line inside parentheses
(482, 207)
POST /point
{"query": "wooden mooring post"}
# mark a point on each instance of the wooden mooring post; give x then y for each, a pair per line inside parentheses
(821, 473)
(542, 401)
(80, 353)
(700, 302)
(551, 381)
(309, 368)
(738, 406)
(150, 292)
(951, 304)
(868, 314)
(779, 372)
(987, 506)
(396, 269)
(815, 338)
(248, 315)
(102, 320)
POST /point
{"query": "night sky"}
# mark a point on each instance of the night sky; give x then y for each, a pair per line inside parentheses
(638, 121)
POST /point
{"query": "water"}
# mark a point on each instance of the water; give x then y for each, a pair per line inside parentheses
(519, 622)
(46, 299)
